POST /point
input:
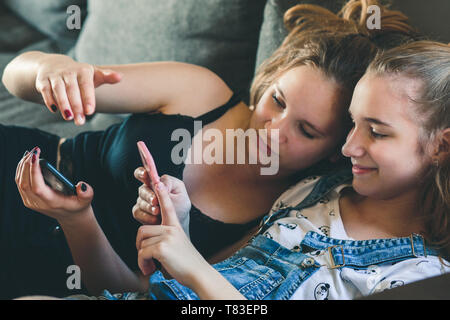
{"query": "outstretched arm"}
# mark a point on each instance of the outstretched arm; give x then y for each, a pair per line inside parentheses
(101, 268)
(78, 89)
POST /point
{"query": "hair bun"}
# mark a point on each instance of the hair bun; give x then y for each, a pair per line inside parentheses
(390, 20)
(351, 19)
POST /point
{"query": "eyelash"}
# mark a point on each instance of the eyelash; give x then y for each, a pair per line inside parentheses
(306, 134)
(377, 135)
(282, 106)
(277, 101)
(372, 133)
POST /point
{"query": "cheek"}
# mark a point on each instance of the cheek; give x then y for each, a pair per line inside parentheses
(305, 152)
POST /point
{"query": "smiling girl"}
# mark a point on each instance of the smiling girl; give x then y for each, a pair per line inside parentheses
(349, 234)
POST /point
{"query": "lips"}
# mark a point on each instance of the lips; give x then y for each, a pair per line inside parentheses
(359, 170)
(261, 144)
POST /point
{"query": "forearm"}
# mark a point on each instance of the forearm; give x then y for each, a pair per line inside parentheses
(209, 284)
(101, 267)
(19, 76)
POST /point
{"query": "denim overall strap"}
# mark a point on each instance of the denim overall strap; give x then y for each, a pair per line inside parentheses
(324, 186)
(262, 270)
(266, 270)
(363, 253)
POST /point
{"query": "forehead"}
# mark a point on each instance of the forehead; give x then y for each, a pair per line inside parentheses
(314, 97)
(388, 97)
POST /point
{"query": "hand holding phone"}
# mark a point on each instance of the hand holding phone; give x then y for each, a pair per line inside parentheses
(149, 165)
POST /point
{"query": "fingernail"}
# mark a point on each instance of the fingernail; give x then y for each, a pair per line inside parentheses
(35, 150)
(25, 153)
(83, 187)
(54, 108)
(68, 114)
(80, 119)
(33, 158)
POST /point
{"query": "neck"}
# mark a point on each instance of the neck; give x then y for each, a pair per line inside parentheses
(398, 216)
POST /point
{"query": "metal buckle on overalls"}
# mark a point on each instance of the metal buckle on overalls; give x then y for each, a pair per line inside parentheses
(333, 264)
(411, 238)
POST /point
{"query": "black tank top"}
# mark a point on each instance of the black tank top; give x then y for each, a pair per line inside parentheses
(107, 160)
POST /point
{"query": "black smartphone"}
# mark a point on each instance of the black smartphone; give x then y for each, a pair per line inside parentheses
(55, 180)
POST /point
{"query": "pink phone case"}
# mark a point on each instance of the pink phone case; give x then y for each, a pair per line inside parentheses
(149, 164)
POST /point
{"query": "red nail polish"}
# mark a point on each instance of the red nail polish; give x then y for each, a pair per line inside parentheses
(33, 158)
(68, 114)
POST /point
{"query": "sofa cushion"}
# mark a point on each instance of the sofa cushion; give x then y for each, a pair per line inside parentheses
(14, 33)
(49, 17)
(221, 35)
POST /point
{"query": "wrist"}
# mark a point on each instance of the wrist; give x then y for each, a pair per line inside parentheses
(74, 219)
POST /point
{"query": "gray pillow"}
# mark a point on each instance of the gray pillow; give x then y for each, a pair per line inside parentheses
(49, 17)
(221, 35)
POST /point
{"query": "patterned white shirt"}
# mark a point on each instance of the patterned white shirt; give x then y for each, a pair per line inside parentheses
(341, 283)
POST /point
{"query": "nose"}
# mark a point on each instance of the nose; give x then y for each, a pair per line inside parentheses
(281, 125)
(354, 146)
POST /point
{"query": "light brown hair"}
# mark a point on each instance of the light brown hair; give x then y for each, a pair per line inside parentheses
(428, 62)
(339, 45)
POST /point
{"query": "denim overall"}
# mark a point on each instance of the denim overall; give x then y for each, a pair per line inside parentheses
(264, 269)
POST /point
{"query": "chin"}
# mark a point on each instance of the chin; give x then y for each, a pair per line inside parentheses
(369, 190)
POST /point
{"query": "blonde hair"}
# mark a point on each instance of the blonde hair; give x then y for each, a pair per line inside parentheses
(340, 45)
(428, 62)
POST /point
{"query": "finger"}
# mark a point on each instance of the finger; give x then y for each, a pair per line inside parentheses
(145, 261)
(141, 174)
(85, 193)
(145, 218)
(87, 89)
(174, 185)
(60, 95)
(45, 89)
(148, 208)
(74, 96)
(102, 76)
(168, 213)
(24, 174)
(19, 167)
(37, 183)
(145, 232)
(147, 195)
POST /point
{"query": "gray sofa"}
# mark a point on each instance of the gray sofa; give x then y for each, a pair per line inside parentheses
(231, 37)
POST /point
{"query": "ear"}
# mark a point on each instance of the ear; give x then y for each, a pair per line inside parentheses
(442, 150)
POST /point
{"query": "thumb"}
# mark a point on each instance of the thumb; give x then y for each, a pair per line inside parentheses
(85, 193)
(168, 213)
(102, 76)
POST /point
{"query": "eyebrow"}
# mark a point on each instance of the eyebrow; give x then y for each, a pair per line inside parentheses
(372, 120)
(376, 121)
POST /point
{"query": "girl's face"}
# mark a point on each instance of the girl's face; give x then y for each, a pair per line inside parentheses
(304, 106)
(384, 142)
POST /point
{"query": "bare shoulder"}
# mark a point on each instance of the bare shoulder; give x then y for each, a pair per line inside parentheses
(203, 92)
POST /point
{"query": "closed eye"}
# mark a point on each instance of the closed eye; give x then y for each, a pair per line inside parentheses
(305, 133)
(377, 135)
(278, 102)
